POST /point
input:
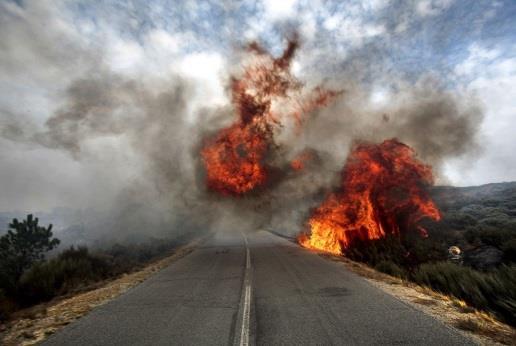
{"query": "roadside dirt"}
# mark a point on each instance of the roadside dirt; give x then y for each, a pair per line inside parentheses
(478, 325)
(37, 323)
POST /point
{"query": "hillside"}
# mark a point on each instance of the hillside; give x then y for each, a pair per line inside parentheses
(481, 220)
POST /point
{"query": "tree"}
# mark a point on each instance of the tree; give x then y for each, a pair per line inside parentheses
(24, 244)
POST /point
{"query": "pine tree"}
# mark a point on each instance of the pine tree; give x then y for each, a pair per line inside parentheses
(24, 244)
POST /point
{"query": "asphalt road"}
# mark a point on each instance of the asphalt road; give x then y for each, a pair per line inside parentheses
(260, 289)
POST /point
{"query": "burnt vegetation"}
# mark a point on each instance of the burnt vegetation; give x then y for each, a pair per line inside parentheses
(481, 221)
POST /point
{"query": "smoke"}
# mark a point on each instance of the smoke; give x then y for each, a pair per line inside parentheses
(132, 141)
(141, 129)
(438, 124)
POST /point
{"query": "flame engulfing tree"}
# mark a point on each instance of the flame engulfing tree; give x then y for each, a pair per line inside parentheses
(235, 158)
(383, 192)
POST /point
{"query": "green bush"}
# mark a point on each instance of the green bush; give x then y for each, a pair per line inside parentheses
(496, 237)
(493, 291)
(407, 252)
(391, 268)
(489, 235)
(375, 251)
(77, 267)
(509, 251)
(73, 268)
(458, 220)
(25, 243)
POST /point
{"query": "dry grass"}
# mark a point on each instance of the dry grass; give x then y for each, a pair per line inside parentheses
(33, 325)
(469, 324)
(479, 325)
(424, 301)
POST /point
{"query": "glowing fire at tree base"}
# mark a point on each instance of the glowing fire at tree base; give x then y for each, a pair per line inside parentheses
(384, 191)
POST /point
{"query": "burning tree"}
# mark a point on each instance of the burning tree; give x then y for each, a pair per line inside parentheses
(383, 192)
(235, 158)
(383, 186)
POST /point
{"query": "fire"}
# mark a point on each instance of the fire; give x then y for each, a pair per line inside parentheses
(383, 192)
(235, 158)
(298, 164)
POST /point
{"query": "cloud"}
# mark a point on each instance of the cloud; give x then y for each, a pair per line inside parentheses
(477, 57)
(275, 10)
(489, 74)
(109, 104)
(106, 119)
(353, 29)
(427, 8)
(206, 70)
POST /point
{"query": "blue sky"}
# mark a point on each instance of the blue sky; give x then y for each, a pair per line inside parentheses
(415, 35)
(469, 47)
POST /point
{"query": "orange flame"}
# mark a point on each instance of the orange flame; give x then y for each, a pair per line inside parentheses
(235, 158)
(298, 164)
(383, 192)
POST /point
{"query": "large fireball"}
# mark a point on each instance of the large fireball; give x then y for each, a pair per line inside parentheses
(235, 158)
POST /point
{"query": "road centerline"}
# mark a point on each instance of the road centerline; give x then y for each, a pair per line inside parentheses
(246, 302)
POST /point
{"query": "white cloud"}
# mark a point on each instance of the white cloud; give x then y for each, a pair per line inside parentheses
(492, 78)
(309, 27)
(206, 69)
(353, 29)
(162, 40)
(332, 22)
(432, 7)
(375, 5)
(279, 9)
(477, 56)
(256, 26)
(124, 55)
(379, 97)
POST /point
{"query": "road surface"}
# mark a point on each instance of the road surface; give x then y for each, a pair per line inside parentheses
(255, 289)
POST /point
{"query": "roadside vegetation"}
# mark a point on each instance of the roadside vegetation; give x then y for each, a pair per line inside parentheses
(481, 221)
(28, 277)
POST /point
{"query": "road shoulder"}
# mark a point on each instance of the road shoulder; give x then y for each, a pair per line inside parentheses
(43, 320)
(479, 326)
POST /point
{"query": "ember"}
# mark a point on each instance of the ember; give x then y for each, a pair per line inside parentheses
(383, 192)
(298, 164)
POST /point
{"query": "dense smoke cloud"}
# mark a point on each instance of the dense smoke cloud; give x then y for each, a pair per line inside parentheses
(140, 133)
(439, 124)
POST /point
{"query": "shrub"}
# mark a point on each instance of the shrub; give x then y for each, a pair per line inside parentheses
(509, 251)
(496, 237)
(127, 257)
(71, 269)
(407, 252)
(391, 268)
(491, 291)
(376, 251)
(7, 306)
(458, 220)
(24, 244)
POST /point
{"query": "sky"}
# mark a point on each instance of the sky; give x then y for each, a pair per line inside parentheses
(46, 47)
